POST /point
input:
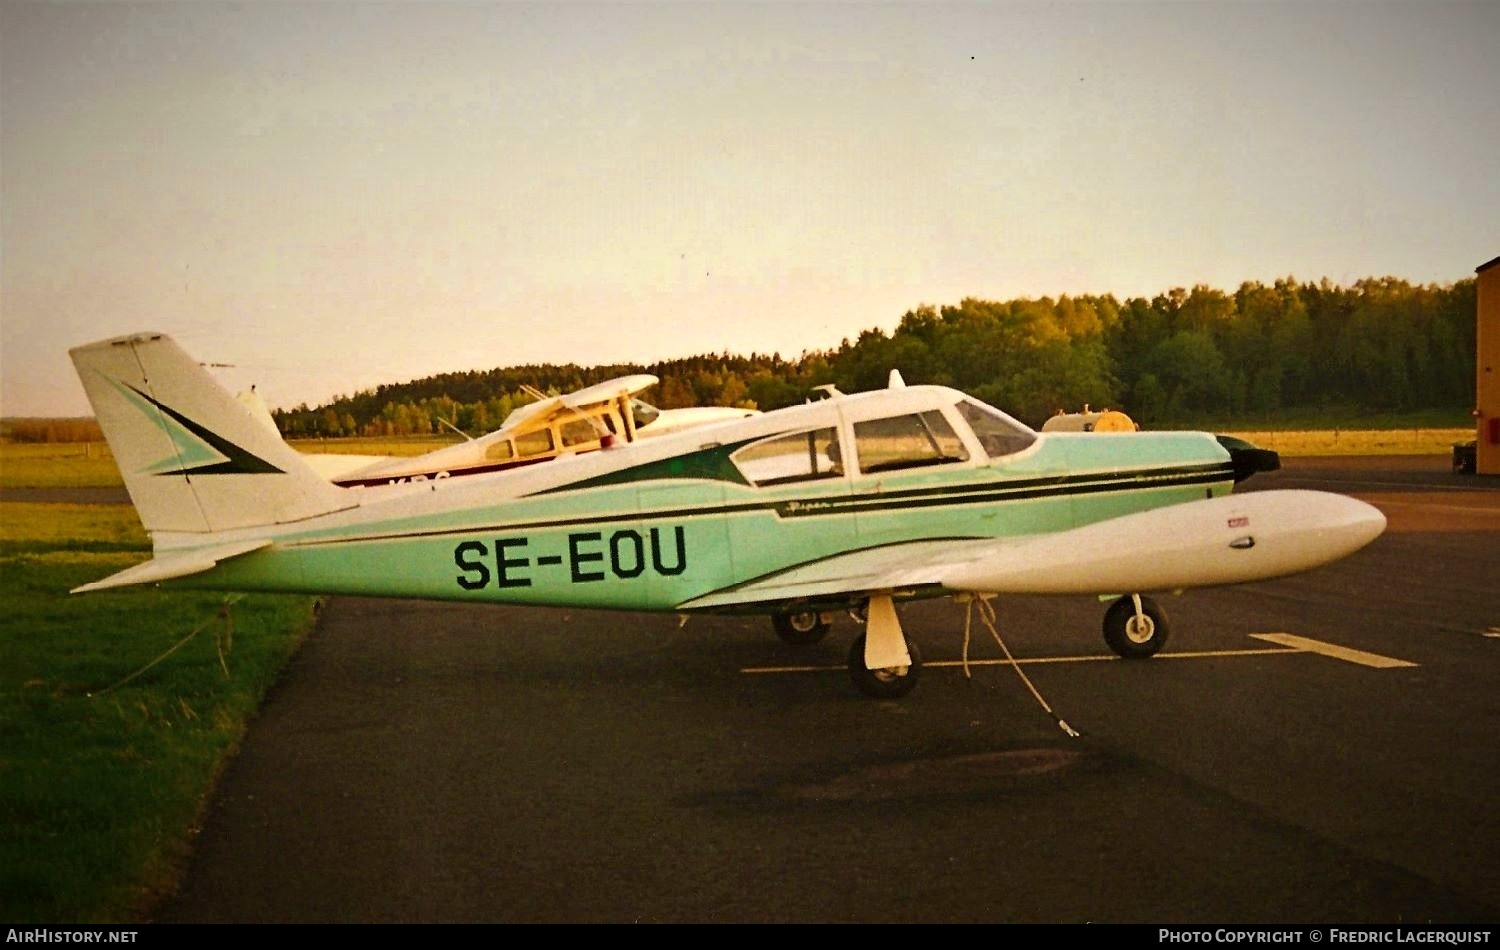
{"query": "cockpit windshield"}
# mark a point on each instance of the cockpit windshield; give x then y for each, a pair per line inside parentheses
(999, 434)
(643, 413)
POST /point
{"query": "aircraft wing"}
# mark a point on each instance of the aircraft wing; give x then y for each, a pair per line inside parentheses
(911, 565)
(609, 389)
(587, 396)
(1231, 539)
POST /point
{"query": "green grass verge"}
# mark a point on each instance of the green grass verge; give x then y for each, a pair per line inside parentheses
(101, 789)
(392, 445)
(34, 528)
(57, 465)
(1356, 441)
(90, 464)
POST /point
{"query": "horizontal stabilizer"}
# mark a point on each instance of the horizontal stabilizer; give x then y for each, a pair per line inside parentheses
(174, 565)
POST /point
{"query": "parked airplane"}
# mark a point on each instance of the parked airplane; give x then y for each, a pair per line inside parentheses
(599, 416)
(850, 502)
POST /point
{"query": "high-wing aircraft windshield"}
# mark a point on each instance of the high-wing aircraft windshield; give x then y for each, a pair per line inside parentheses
(643, 413)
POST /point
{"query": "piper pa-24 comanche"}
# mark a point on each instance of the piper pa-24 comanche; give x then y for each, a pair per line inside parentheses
(850, 502)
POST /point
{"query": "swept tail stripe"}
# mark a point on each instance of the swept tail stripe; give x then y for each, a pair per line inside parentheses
(238, 461)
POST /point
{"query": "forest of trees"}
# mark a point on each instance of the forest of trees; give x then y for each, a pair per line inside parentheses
(1382, 344)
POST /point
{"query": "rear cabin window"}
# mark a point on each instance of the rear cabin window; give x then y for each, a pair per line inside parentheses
(910, 441)
(577, 431)
(534, 443)
(999, 435)
(791, 458)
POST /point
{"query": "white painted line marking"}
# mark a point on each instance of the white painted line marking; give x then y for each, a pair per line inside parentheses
(1374, 660)
(1026, 661)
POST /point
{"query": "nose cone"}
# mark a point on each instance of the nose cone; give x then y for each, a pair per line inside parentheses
(1323, 527)
(1361, 522)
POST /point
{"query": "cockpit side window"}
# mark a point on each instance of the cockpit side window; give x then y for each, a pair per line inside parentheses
(909, 441)
(577, 431)
(802, 456)
(999, 435)
(500, 451)
(534, 443)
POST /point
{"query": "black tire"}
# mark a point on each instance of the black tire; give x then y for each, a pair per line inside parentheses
(1128, 638)
(892, 683)
(801, 629)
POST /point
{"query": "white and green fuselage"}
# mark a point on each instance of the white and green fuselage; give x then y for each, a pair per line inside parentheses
(656, 526)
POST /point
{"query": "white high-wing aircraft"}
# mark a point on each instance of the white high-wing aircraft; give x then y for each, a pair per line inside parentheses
(598, 416)
(850, 502)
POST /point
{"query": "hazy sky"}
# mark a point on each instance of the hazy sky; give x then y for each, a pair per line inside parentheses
(333, 195)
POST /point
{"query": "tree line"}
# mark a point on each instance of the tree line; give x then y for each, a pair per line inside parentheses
(29, 429)
(1382, 344)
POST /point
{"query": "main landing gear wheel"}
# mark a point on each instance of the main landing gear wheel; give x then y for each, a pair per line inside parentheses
(800, 629)
(1135, 637)
(889, 683)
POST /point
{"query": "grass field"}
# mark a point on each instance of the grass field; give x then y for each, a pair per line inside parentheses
(57, 465)
(414, 445)
(91, 465)
(100, 788)
(1293, 443)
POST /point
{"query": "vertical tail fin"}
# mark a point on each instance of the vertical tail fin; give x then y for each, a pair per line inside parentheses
(194, 458)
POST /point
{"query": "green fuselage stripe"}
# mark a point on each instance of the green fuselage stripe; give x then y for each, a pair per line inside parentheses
(941, 496)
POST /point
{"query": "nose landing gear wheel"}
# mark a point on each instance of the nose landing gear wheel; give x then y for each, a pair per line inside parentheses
(800, 629)
(889, 683)
(1135, 637)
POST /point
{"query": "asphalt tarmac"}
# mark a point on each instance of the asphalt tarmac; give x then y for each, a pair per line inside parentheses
(425, 762)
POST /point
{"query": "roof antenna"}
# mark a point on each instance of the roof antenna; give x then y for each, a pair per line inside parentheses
(896, 382)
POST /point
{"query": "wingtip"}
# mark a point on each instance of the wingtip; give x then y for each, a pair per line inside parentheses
(93, 586)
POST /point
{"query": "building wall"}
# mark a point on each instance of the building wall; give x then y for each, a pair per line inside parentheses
(1487, 369)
